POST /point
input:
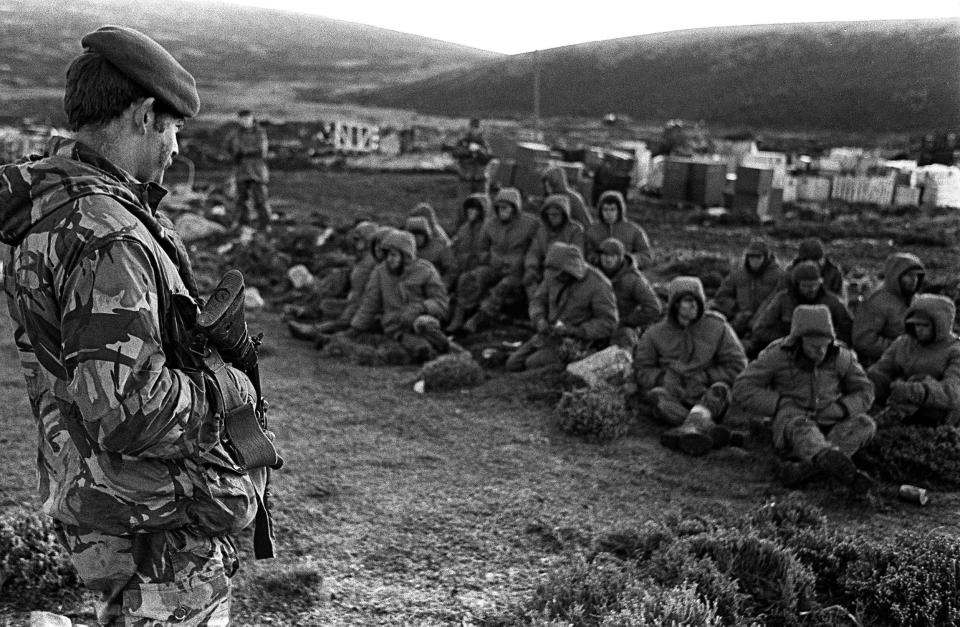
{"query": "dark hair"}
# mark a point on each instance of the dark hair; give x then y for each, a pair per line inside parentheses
(97, 92)
(242, 113)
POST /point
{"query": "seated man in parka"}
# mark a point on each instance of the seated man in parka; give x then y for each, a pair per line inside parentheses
(812, 249)
(805, 287)
(431, 248)
(879, 319)
(408, 298)
(555, 182)
(918, 376)
(575, 302)
(555, 226)
(504, 241)
(685, 365)
(748, 286)
(467, 248)
(613, 222)
(637, 303)
(817, 394)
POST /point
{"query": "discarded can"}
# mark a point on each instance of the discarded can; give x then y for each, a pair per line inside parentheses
(913, 494)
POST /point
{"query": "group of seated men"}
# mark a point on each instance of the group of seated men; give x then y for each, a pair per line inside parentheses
(823, 376)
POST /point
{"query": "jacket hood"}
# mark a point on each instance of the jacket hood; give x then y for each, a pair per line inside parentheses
(425, 210)
(379, 235)
(895, 267)
(510, 195)
(566, 258)
(612, 196)
(559, 201)
(682, 286)
(417, 224)
(401, 241)
(811, 320)
(364, 231)
(758, 246)
(481, 201)
(557, 177)
(34, 188)
(810, 249)
(938, 309)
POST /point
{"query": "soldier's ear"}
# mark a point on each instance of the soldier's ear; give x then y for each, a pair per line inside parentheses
(143, 115)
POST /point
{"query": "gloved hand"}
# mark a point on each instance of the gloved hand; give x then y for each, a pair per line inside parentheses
(568, 331)
(543, 326)
(412, 312)
(911, 392)
(833, 411)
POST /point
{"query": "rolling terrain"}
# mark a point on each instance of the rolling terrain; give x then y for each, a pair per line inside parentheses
(859, 76)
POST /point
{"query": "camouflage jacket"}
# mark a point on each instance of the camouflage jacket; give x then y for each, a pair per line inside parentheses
(248, 148)
(92, 284)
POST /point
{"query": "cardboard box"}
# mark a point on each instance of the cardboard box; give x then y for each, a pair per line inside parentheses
(503, 174)
(706, 183)
(676, 179)
(813, 189)
(753, 181)
(904, 195)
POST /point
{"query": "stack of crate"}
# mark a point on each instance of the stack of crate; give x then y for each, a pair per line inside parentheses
(532, 160)
(706, 182)
(753, 193)
(676, 179)
(813, 189)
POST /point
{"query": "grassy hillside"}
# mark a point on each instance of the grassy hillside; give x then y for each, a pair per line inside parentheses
(237, 53)
(863, 76)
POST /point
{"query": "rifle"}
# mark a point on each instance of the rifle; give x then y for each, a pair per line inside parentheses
(221, 323)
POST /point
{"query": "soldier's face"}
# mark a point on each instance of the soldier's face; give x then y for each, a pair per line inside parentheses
(923, 331)
(609, 211)
(808, 288)
(910, 281)
(754, 262)
(555, 217)
(473, 214)
(246, 121)
(815, 347)
(159, 147)
(504, 211)
(394, 260)
(421, 239)
(687, 310)
(609, 262)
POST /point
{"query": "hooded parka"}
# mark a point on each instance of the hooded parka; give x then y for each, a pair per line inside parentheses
(569, 232)
(557, 178)
(433, 249)
(398, 300)
(504, 244)
(744, 291)
(630, 234)
(687, 360)
(879, 319)
(935, 365)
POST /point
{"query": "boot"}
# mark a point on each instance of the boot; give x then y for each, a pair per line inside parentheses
(302, 330)
(456, 323)
(476, 321)
(432, 334)
(837, 464)
(693, 437)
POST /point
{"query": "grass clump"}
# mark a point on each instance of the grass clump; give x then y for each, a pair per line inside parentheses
(925, 456)
(781, 564)
(597, 414)
(34, 567)
(451, 372)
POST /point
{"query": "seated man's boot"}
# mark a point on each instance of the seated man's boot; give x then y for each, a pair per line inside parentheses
(834, 462)
(475, 322)
(694, 437)
(428, 328)
(456, 323)
(302, 330)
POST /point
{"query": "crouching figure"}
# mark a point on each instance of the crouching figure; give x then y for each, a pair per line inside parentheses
(685, 365)
(817, 394)
(918, 377)
(407, 297)
(574, 310)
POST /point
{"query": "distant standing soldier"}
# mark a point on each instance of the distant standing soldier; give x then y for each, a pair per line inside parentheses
(472, 155)
(247, 144)
(131, 467)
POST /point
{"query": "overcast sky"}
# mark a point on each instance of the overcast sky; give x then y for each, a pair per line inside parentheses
(512, 26)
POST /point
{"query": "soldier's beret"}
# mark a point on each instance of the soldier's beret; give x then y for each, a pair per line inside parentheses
(147, 63)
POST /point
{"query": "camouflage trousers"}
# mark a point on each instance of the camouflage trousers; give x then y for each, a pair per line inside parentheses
(256, 191)
(171, 577)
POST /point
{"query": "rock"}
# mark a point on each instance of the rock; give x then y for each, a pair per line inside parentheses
(600, 367)
(48, 619)
(192, 227)
(300, 277)
(252, 299)
(419, 387)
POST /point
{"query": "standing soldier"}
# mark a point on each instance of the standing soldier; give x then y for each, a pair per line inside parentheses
(472, 156)
(145, 498)
(247, 145)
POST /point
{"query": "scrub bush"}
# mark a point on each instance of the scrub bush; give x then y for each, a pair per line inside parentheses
(926, 456)
(451, 372)
(33, 565)
(597, 414)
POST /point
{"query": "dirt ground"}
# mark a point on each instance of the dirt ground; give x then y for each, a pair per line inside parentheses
(398, 508)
